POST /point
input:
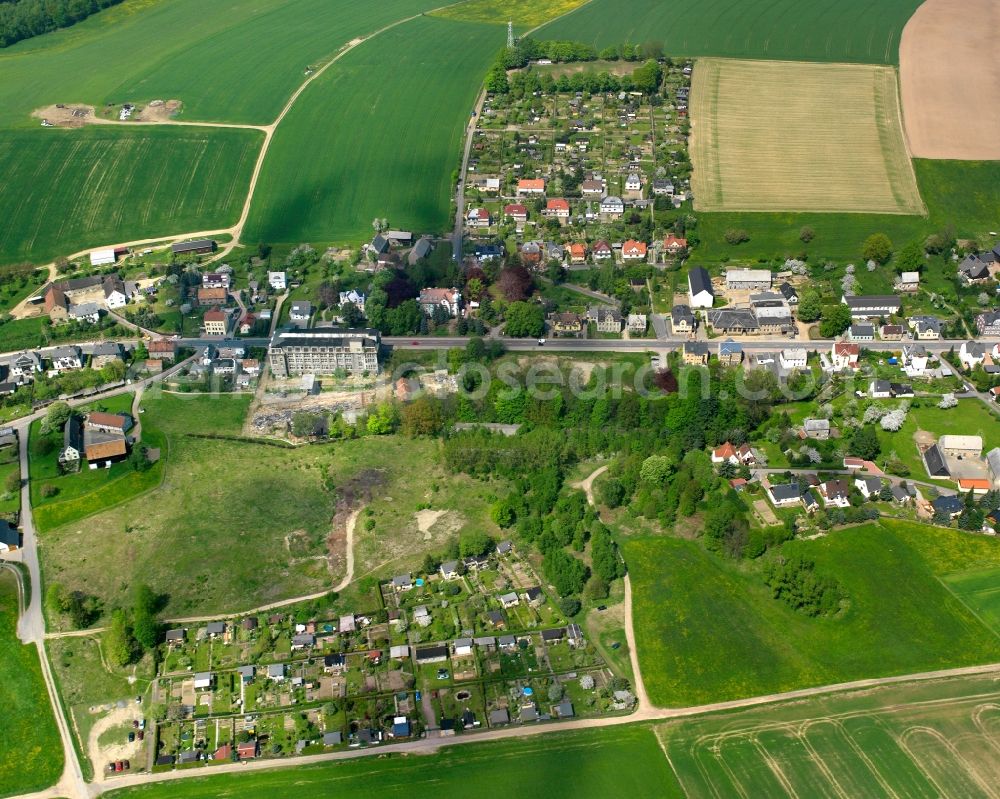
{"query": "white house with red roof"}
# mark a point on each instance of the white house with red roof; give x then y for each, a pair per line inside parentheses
(530, 186)
(634, 250)
(557, 208)
(516, 211)
(674, 245)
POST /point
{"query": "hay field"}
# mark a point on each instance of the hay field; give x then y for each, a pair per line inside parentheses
(523, 13)
(777, 136)
(936, 739)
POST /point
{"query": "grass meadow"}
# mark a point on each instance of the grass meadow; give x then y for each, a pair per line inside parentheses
(772, 136)
(199, 53)
(960, 195)
(708, 630)
(233, 524)
(65, 190)
(591, 764)
(799, 30)
(921, 740)
(31, 756)
(383, 136)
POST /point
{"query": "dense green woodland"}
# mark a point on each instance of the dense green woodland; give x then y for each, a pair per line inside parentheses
(22, 19)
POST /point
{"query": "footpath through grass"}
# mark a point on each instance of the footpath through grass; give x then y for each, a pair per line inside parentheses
(31, 756)
(400, 119)
(708, 629)
(593, 764)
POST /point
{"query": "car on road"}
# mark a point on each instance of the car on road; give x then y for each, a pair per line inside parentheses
(415, 343)
(541, 342)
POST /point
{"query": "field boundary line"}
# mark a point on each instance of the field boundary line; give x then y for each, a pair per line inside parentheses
(965, 605)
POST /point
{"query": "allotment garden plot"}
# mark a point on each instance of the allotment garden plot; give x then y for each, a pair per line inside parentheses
(770, 136)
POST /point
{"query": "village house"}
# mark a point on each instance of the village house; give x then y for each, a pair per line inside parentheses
(914, 360)
(215, 323)
(908, 282)
(277, 281)
(612, 207)
(988, 323)
(972, 353)
(682, 321)
(737, 456)
(163, 349)
(601, 251)
(695, 353)
(530, 186)
(634, 250)
(674, 246)
(861, 331)
(782, 496)
(835, 492)
(816, 428)
(478, 218)
(925, 328)
(606, 320)
(844, 355)
(215, 280)
(301, 311)
(577, 253)
(891, 332)
(730, 353)
(961, 447)
(106, 352)
(449, 299)
(635, 324)
(557, 208)
(974, 270)
(593, 189)
(208, 296)
(879, 389)
(66, 358)
(516, 211)
(565, 324)
(793, 358)
(733, 321)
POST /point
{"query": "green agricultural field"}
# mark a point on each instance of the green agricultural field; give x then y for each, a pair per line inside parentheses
(88, 491)
(938, 738)
(196, 52)
(979, 590)
(800, 30)
(31, 756)
(383, 136)
(959, 194)
(708, 629)
(777, 135)
(594, 764)
(235, 524)
(523, 13)
(65, 190)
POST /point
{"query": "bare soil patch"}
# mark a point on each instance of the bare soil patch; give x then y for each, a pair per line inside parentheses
(950, 80)
(76, 115)
(350, 495)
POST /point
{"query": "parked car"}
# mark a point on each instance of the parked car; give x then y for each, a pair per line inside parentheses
(126, 765)
(119, 766)
(131, 737)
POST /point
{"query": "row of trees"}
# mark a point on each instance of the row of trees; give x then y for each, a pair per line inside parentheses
(22, 19)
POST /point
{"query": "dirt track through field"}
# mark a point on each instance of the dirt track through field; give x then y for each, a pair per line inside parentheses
(950, 80)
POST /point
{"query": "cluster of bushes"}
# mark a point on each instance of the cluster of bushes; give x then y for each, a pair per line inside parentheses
(795, 582)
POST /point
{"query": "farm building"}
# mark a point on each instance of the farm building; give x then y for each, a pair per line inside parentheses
(193, 247)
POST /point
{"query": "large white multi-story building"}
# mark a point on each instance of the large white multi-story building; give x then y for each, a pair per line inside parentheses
(323, 352)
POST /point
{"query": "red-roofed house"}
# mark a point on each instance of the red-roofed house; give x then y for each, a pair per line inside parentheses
(601, 251)
(577, 253)
(247, 750)
(530, 186)
(845, 355)
(162, 348)
(634, 250)
(735, 455)
(247, 323)
(674, 245)
(478, 217)
(557, 208)
(224, 752)
(516, 211)
(978, 485)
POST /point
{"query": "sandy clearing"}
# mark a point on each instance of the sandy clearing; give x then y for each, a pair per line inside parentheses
(950, 80)
(123, 751)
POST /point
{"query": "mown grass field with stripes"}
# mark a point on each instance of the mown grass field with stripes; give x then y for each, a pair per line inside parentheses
(921, 741)
(783, 136)
(66, 190)
(801, 30)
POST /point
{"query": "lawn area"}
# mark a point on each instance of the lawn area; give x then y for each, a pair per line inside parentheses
(88, 491)
(970, 418)
(10, 501)
(196, 52)
(30, 753)
(708, 629)
(369, 106)
(128, 184)
(961, 194)
(594, 763)
(928, 739)
(236, 524)
(523, 13)
(13, 291)
(800, 30)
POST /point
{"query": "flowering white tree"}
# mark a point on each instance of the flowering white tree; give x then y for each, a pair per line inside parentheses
(893, 420)
(948, 401)
(849, 269)
(873, 413)
(871, 266)
(983, 298)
